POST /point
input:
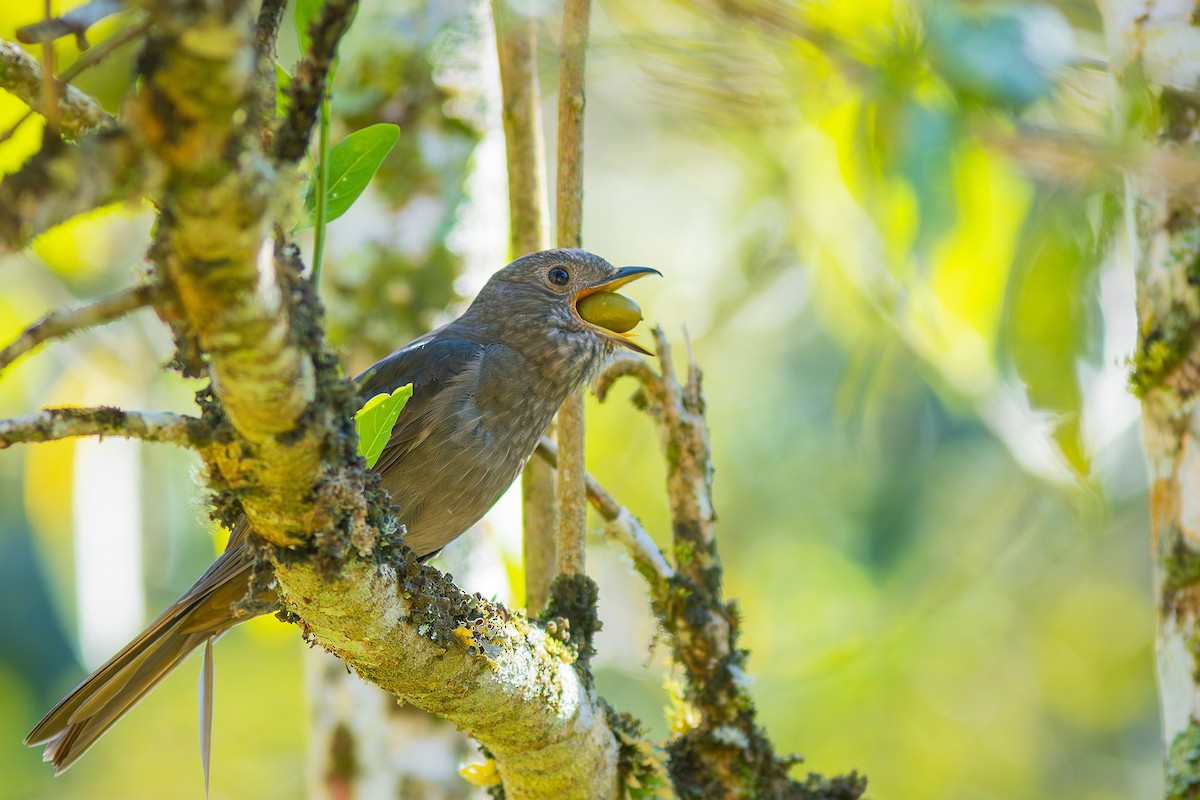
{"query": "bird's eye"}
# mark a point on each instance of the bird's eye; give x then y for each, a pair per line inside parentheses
(558, 276)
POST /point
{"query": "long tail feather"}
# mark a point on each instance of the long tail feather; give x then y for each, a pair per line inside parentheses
(95, 705)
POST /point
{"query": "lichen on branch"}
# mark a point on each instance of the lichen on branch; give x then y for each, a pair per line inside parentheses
(726, 754)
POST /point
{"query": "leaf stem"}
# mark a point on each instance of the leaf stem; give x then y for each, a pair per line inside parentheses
(322, 186)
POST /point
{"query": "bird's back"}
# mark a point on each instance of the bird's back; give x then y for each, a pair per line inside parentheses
(453, 456)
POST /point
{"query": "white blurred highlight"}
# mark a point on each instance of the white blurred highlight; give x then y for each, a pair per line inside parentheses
(110, 603)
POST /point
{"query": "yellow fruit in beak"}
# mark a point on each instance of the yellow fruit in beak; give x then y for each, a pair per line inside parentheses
(609, 310)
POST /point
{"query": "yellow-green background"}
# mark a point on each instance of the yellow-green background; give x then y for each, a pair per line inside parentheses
(936, 591)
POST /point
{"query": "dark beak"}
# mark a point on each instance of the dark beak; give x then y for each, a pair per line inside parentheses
(623, 276)
(606, 329)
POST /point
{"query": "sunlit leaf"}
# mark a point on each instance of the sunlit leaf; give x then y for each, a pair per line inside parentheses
(352, 163)
(1045, 330)
(375, 420)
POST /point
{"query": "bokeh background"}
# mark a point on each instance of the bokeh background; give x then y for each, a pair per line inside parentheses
(929, 476)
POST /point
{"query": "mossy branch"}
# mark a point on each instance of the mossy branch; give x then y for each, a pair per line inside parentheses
(308, 85)
(21, 74)
(52, 424)
(727, 754)
(66, 321)
(408, 629)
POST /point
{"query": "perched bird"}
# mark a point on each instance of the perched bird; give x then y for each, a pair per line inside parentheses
(485, 387)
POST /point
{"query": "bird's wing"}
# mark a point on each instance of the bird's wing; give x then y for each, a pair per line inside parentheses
(430, 364)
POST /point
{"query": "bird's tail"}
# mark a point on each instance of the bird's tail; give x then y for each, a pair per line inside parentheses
(95, 705)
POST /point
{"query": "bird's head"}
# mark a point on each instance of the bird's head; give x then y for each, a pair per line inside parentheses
(568, 295)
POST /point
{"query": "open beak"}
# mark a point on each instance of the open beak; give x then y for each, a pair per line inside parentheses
(612, 314)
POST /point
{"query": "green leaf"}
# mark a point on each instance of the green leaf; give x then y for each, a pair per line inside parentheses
(282, 82)
(375, 420)
(304, 14)
(352, 163)
(1045, 328)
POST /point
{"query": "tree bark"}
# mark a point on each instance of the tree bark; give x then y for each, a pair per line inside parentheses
(1156, 42)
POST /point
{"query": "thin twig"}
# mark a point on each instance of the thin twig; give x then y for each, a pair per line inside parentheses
(101, 51)
(622, 525)
(74, 23)
(701, 624)
(572, 502)
(1082, 159)
(52, 424)
(66, 321)
(50, 93)
(516, 46)
(266, 36)
(24, 77)
(321, 187)
(629, 365)
(86, 61)
(308, 84)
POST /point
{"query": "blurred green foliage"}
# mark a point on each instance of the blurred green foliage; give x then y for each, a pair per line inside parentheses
(928, 470)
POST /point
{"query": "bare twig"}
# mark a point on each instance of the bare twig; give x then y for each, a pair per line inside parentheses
(572, 503)
(636, 367)
(516, 45)
(66, 321)
(1081, 159)
(622, 525)
(101, 51)
(266, 34)
(52, 424)
(726, 754)
(308, 84)
(86, 61)
(23, 76)
(50, 91)
(74, 23)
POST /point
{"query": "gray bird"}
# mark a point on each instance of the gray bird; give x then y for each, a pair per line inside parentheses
(485, 387)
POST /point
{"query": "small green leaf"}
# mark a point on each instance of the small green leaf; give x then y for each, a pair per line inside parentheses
(352, 163)
(375, 420)
(1045, 326)
(282, 82)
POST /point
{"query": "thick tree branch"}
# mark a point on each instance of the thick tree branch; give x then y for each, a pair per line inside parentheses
(572, 499)
(63, 180)
(51, 424)
(1165, 224)
(408, 629)
(516, 46)
(22, 75)
(218, 261)
(66, 321)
